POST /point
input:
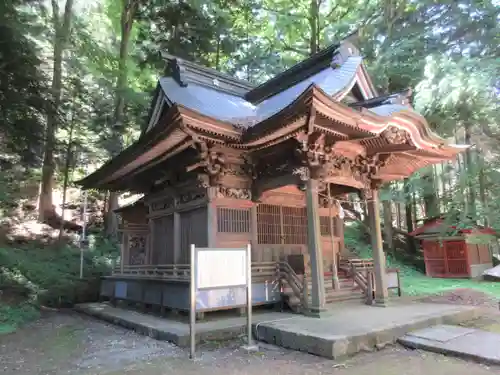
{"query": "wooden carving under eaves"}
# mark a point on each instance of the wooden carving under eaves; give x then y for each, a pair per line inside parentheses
(321, 161)
(235, 193)
(314, 153)
(212, 163)
(396, 136)
(365, 168)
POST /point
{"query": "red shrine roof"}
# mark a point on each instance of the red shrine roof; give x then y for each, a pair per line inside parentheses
(438, 226)
(329, 93)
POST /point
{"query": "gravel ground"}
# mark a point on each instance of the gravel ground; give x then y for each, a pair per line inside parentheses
(69, 343)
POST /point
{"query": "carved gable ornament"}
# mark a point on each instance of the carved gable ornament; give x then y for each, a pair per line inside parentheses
(396, 136)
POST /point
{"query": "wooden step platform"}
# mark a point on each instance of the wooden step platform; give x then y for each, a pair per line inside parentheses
(348, 291)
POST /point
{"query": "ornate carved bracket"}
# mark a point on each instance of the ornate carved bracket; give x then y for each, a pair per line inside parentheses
(366, 168)
(321, 161)
(315, 154)
(211, 161)
(366, 194)
(396, 136)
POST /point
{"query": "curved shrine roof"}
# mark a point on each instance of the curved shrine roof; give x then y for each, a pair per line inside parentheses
(199, 103)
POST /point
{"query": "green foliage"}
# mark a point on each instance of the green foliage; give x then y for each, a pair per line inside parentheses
(50, 276)
(23, 87)
(11, 317)
(414, 282)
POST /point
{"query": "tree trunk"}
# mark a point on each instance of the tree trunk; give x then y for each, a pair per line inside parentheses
(471, 175)
(431, 200)
(313, 23)
(409, 208)
(66, 176)
(387, 209)
(483, 195)
(62, 31)
(127, 21)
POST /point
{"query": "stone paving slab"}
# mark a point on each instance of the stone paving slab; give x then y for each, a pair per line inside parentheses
(475, 344)
(172, 330)
(347, 328)
(442, 333)
(355, 328)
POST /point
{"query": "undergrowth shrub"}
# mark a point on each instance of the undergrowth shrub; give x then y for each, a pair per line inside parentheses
(50, 276)
(11, 317)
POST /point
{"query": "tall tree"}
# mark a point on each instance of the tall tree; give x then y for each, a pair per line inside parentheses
(128, 13)
(62, 28)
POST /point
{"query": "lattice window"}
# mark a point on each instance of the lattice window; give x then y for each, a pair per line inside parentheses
(325, 226)
(294, 225)
(268, 224)
(233, 220)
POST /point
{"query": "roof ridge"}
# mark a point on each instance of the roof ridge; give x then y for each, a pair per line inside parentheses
(290, 77)
(394, 98)
(184, 71)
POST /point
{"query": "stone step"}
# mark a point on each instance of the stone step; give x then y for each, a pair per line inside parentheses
(338, 293)
(339, 296)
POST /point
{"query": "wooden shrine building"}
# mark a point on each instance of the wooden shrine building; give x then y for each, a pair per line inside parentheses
(223, 164)
(451, 252)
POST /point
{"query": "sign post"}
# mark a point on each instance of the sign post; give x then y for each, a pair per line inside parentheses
(83, 236)
(250, 345)
(192, 302)
(205, 274)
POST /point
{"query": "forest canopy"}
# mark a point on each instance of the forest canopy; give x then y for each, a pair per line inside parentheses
(77, 78)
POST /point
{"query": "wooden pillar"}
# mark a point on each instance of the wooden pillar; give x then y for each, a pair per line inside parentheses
(381, 293)
(335, 276)
(256, 257)
(151, 246)
(314, 246)
(177, 238)
(126, 249)
(211, 219)
(339, 224)
(122, 253)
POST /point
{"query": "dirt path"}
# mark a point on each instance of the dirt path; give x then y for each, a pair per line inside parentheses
(68, 343)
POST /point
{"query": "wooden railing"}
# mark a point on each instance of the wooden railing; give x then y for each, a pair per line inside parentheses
(298, 286)
(360, 270)
(177, 272)
(263, 271)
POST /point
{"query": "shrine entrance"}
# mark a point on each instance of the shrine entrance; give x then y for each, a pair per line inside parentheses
(281, 231)
(282, 235)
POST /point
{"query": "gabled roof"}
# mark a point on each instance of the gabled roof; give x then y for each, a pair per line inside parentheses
(439, 226)
(299, 72)
(338, 68)
(196, 104)
(185, 72)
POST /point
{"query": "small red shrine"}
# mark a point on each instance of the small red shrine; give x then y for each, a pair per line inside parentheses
(450, 253)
